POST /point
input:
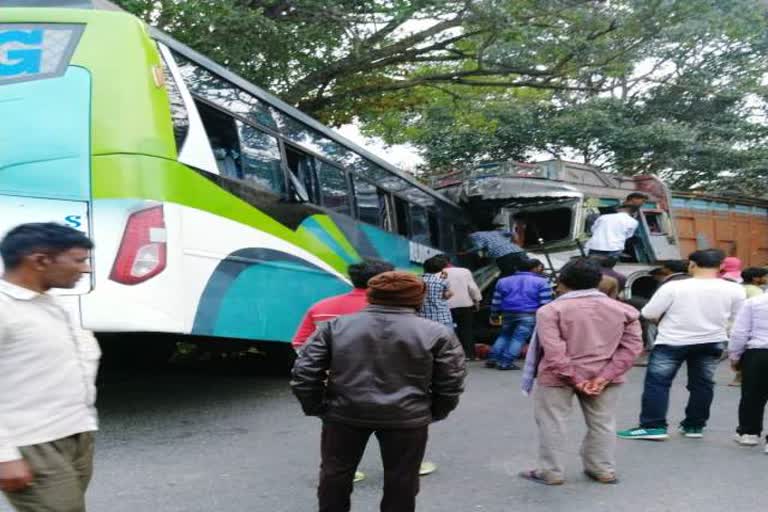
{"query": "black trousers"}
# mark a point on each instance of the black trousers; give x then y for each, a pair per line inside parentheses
(508, 264)
(464, 318)
(342, 447)
(754, 391)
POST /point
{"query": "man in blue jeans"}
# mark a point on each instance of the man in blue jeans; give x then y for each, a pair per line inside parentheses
(693, 316)
(516, 299)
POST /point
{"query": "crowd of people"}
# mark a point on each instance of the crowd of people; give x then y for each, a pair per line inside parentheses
(388, 359)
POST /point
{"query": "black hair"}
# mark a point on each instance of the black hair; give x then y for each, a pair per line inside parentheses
(637, 195)
(751, 273)
(529, 264)
(435, 264)
(605, 261)
(707, 258)
(46, 237)
(361, 273)
(676, 266)
(581, 274)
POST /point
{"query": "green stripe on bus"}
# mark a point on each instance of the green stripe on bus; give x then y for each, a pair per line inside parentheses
(334, 231)
(141, 177)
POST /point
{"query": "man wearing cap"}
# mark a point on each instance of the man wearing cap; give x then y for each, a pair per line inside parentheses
(383, 371)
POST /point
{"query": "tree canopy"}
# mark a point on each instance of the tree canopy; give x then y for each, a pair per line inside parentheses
(672, 87)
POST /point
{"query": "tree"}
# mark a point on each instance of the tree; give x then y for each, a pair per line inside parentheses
(689, 107)
(338, 58)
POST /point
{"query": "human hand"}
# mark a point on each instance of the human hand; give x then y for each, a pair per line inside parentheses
(477, 307)
(735, 365)
(581, 387)
(596, 386)
(15, 475)
(495, 320)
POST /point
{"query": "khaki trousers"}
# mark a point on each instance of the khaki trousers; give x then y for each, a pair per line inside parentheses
(552, 407)
(62, 470)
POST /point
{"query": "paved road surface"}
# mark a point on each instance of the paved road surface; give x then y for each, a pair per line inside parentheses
(213, 440)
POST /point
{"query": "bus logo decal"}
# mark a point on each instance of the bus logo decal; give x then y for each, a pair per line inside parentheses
(18, 60)
(36, 51)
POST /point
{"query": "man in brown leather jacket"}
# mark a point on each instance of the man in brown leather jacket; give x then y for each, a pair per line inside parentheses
(383, 371)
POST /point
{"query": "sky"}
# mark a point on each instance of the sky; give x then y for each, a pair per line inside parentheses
(403, 156)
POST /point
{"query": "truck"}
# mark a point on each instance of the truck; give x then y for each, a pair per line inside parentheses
(549, 205)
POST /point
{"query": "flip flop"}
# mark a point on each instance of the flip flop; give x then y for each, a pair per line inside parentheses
(427, 468)
(533, 476)
(601, 479)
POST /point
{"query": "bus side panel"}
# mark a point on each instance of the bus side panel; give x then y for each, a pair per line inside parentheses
(245, 283)
(155, 305)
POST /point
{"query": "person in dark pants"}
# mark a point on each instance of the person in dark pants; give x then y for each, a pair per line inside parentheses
(748, 352)
(464, 302)
(385, 372)
(693, 317)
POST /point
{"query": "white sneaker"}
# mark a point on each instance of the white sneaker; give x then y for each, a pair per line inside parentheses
(747, 440)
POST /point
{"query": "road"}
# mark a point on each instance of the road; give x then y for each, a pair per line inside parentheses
(216, 439)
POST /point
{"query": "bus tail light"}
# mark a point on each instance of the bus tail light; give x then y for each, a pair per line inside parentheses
(143, 250)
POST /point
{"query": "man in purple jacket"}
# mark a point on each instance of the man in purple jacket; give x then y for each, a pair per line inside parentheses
(516, 299)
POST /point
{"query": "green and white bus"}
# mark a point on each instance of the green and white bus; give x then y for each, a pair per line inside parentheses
(217, 209)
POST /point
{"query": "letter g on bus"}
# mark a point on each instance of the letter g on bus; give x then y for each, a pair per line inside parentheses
(15, 60)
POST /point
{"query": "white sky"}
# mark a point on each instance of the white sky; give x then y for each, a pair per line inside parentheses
(403, 156)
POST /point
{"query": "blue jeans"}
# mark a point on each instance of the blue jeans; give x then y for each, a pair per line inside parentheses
(516, 330)
(665, 361)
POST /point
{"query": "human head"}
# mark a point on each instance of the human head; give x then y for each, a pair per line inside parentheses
(395, 288)
(47, 255)
(606, 261)
(435, 264)
(531, 265)
(580, 274)
(636, 199)
(361, 273)
(705, 260)
(731, 268)
(757, 276)
(675, 267)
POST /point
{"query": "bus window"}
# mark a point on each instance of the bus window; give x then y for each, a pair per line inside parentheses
(401, 216)
(434, 229)
(225, 142)
(419, 224)
(261, 163)
(374, 206)
(334, 191)
(302, 166)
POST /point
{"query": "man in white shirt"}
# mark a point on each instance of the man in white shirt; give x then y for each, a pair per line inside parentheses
(463, 304)
(693, 316)
(610, 232)
(48, 367)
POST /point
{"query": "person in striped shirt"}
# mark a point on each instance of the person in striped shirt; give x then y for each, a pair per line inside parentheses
(516, 300)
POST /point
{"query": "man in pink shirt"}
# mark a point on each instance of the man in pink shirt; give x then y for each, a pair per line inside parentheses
(589, 343)
(345, 304)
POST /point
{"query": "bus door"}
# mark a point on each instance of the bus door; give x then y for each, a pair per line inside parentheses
(45, 105)
(658, 235)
